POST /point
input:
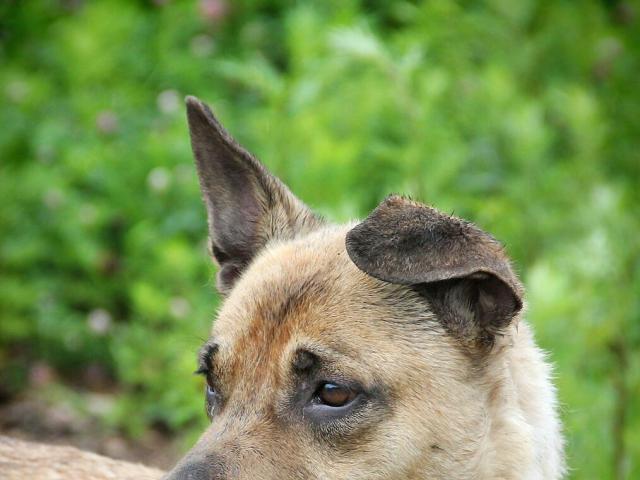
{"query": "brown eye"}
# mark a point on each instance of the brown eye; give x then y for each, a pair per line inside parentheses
(334, 395)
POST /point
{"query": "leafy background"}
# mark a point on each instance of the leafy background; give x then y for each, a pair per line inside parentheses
(522, 116)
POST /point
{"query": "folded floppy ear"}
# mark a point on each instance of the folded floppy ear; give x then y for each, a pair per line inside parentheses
(463, 271)
(246, 205)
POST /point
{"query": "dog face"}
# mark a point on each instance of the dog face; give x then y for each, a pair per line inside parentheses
(358, 351)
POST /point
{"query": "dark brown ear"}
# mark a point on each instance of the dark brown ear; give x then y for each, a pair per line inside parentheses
(463, 271)
(246, 205)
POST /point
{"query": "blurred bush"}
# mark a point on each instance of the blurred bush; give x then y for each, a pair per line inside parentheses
(522, 116)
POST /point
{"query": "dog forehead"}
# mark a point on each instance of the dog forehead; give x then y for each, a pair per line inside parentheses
(287, 280)
(309, 288)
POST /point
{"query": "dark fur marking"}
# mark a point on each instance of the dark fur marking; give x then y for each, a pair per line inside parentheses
(303, 361)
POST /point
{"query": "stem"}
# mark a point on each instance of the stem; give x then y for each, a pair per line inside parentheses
(621, 358)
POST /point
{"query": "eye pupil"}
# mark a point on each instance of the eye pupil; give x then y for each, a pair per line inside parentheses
(335, 395)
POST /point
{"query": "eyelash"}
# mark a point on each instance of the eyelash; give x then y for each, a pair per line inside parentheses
(204, 358)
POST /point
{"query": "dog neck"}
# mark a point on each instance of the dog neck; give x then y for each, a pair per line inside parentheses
(523, 438)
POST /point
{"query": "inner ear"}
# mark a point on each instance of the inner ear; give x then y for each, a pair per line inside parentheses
(496, 304)
(474, 308)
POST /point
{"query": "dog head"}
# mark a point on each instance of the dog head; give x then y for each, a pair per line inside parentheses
(342, 352)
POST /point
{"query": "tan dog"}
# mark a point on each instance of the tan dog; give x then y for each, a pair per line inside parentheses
(389, 349)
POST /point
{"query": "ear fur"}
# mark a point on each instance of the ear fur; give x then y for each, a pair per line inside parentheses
(246, 205)
(463, 271)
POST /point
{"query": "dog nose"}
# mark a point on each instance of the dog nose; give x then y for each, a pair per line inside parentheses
(187, 469)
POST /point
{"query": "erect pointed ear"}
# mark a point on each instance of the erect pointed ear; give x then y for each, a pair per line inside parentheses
(246, 205)
(463, 271)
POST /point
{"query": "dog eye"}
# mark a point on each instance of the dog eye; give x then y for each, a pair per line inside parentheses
(210, 392)
(334, 395)
(211, 400)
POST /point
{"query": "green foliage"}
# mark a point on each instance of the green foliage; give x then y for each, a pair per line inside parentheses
(522, 116)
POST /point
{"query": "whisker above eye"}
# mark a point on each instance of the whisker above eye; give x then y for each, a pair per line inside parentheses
(205, 356)
(202, 370)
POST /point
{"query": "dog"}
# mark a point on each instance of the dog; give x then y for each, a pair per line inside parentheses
(391, 348)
